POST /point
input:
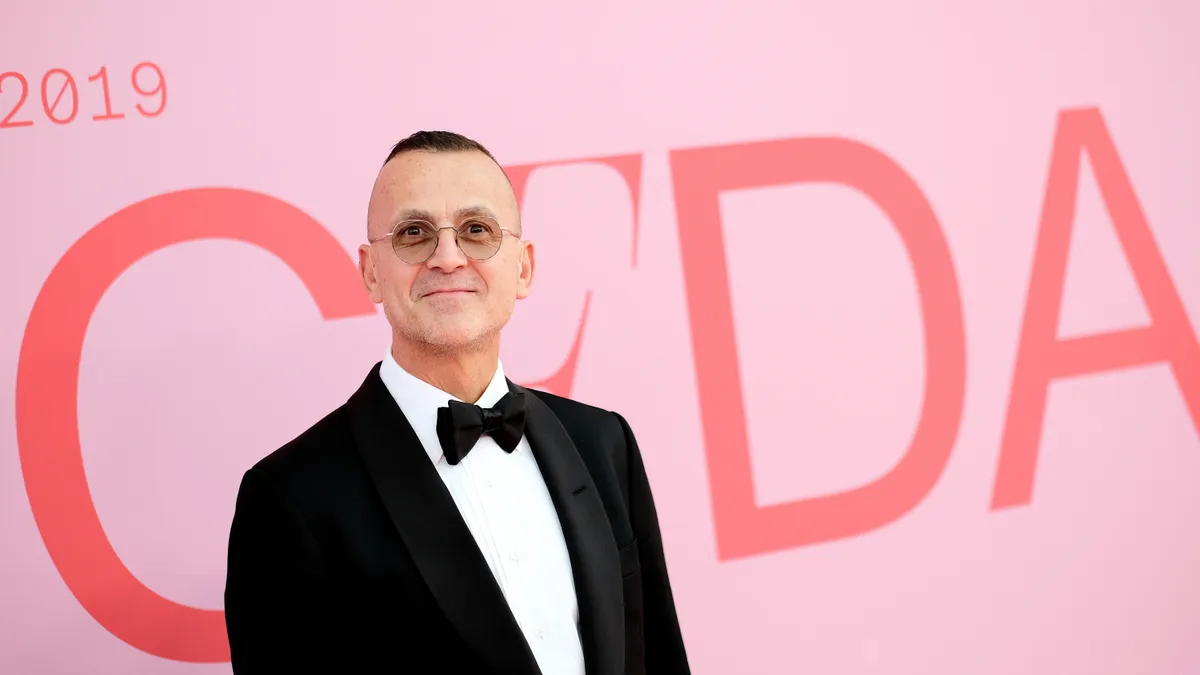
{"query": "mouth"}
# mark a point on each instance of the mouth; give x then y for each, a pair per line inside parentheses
(449, 292)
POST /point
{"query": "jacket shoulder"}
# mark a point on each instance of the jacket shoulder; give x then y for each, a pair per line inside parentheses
(313, 453)
(574, 414)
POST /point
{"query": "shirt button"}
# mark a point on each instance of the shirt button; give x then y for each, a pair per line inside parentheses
(540, 633)
(513, 556)
(488, 482)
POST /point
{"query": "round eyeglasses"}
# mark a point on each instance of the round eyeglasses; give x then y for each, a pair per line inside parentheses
(414, 241)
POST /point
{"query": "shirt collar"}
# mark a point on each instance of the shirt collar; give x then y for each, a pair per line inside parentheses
(419, 400)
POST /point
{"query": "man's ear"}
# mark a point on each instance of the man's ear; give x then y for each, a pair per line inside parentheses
(366, 267)
(525, 268)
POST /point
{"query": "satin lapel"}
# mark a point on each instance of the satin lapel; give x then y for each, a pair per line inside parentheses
(434, 532)
(594, 561)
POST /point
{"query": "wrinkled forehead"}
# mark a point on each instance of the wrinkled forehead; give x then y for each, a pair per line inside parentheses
(443, 187)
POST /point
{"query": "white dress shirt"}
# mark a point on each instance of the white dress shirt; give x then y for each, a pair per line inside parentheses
(505, 503)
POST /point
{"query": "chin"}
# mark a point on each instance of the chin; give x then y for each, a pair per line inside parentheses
(455, 338)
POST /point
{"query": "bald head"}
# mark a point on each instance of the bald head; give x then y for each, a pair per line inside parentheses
(440, 185)
(426, 142)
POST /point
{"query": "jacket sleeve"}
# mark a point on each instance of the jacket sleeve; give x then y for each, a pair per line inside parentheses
(272, 614)
(665, 652)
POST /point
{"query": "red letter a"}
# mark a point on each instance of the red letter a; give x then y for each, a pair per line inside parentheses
(1041, 356)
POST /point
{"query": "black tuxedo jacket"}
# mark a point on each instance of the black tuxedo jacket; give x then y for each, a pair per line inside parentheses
(347, 554)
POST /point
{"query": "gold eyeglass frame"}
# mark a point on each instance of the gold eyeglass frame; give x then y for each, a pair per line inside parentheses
(437, 236)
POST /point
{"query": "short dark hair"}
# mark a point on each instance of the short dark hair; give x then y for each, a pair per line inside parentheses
(437, 141)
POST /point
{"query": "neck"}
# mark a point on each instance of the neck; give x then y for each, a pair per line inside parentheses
(463, 374)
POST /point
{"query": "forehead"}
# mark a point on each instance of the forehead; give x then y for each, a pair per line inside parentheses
(440, 184)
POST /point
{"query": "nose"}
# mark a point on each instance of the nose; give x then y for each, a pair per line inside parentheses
(447, 257)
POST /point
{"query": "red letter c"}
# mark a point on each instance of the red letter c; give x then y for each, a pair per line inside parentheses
(47, 389)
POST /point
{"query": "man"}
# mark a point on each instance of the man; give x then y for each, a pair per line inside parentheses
(445, 519)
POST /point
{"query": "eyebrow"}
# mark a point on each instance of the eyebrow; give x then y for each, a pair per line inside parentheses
(465, 212)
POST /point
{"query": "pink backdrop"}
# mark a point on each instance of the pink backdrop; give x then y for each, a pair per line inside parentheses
(814, 252)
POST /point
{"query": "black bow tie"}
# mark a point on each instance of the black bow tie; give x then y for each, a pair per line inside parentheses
(459, 425)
